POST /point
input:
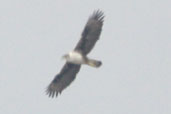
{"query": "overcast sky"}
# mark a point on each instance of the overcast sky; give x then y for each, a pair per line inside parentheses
(134, 46)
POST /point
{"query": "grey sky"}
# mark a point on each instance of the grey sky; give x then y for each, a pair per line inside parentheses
(134, 46)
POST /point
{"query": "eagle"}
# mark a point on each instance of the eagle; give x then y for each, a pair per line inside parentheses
(78, 56)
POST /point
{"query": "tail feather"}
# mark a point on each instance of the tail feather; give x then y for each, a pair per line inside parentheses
(94, 63)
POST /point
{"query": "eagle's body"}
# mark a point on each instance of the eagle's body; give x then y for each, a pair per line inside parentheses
(78, 56)
(75, 58)
(79, 59)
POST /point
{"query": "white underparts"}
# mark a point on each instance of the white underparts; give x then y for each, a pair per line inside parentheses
(76, 58)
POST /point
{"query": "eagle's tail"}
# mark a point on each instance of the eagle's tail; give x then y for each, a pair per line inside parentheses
(94, 63)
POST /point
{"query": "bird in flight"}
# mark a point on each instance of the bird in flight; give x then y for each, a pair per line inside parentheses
(78, 56)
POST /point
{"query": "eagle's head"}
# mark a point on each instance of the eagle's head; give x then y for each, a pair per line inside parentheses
(66, 56)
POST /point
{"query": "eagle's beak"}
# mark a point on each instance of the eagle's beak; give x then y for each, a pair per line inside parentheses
(64, 56)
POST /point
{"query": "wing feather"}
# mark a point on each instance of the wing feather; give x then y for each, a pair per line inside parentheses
(91, 33)
(63, 79)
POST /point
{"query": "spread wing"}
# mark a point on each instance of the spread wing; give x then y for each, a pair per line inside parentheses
(63, 79)
(90, 33)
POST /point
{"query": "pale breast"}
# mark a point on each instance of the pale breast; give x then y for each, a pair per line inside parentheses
(76, 58)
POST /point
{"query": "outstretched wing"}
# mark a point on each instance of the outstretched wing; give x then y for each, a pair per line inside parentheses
(63, 79)
(90, 33)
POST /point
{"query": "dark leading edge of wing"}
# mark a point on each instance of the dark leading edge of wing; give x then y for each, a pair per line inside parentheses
(63, 79)
(91, 32)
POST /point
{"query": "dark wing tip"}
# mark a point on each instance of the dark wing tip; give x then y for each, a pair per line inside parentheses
(98, 15)
(54, 88)
(51, 92)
